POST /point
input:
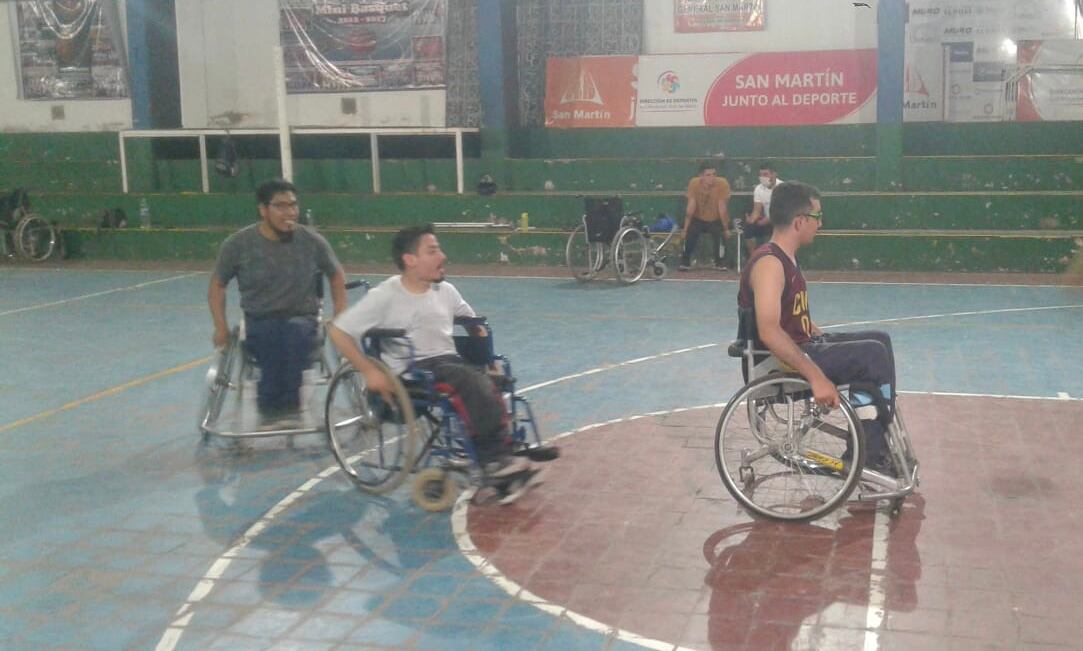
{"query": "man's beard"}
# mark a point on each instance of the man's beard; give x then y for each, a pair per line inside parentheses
(283, 236)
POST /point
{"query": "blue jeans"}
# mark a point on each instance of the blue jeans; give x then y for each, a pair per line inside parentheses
(283, 350)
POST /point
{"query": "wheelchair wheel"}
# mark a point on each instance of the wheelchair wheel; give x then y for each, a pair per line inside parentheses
(659, 270)
(434, 490)
(35, 238)
(584, 258)
(374, 440)
(781, 457)
(630, 255)
(219, 376)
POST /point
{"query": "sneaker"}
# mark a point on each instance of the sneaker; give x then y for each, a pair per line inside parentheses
(539, 453)
(520, 484)
(276, 419)
(721, 267)
(507, 467)
(882, 464)
(683, 267)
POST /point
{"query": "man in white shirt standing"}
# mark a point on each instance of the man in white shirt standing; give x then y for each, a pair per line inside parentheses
(758, 224)
(421, 302)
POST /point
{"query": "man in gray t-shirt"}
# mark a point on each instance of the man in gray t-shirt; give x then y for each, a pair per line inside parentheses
(277, 263)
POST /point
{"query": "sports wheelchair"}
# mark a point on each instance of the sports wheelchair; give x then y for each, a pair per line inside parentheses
(25, 233)
(379, 442)
(607, 234)
(783, 457)
(233, 373)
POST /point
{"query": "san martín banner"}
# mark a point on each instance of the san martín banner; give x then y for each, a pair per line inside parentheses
(767, 88)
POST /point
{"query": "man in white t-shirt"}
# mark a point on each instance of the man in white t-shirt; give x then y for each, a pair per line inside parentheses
(758, 225)
(421, 302)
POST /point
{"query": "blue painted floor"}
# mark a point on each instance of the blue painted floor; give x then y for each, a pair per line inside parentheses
(115, 515)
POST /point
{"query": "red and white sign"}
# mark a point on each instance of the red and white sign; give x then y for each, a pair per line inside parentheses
(718, 15)
(774, 88)
(1054, 88)
(786, 88)
(590, 92)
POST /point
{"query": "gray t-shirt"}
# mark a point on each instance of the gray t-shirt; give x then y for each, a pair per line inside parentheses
(276, 278)
(428, 319)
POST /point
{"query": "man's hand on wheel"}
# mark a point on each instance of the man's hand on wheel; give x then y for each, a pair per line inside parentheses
(824, 393)
(381, 384)
(220, 338)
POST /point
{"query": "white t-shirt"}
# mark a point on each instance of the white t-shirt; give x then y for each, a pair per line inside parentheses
(428, 319)
(762, 194)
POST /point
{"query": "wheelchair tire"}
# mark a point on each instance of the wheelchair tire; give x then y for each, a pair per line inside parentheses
(434, 490)
(374, 441)
(35, 238)
(219, 376)
(659, 270)
(630, 255)
(584, 258)
(780, 457)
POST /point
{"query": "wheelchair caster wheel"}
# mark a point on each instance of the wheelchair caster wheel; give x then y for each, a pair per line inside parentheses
(434, 490)
(896, 506)
(658, 270)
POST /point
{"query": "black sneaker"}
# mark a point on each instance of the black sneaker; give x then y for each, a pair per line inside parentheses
(515, 486)
(882, 464)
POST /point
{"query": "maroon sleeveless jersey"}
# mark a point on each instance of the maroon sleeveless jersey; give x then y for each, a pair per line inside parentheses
(796, 320)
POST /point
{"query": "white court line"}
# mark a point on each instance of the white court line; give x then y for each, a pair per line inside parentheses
(171, 637)
(84, 297)
(877, 609)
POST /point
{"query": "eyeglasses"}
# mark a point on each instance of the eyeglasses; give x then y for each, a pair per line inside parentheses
(818, 216)
(284, 205)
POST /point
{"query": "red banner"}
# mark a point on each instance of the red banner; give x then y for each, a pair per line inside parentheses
(787, 88)
(590, 92)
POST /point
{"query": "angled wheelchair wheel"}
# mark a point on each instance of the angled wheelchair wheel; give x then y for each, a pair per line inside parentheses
(781, 457)
(434, 490)
(630, 255)
(35, 238)
(373, 439)
(584, 258)
(218, 382)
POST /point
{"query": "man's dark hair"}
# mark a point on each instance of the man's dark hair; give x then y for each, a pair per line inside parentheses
(406, 241)
(707, 165)
(268, 189)
(767, 165)
(790, 199)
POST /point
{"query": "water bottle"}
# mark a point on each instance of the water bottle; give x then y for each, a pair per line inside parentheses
(524, 222)
(309, 219)
(144, 213)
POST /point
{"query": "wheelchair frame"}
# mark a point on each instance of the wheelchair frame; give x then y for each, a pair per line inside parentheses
(631, 248)
(430, 436)
(232, 368)
(770, 388)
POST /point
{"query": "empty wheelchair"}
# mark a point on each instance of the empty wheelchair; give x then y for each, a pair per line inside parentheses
(783, 457)
(25, 233)
(380, 442)
(229, 404)
(608, 235)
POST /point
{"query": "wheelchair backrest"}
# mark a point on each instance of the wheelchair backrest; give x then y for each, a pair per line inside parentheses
(756, 359)
(475, 349)
(601, 217)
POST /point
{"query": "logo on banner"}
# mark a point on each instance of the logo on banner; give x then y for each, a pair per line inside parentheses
(669, 82)
(584, 90)
(914, 83)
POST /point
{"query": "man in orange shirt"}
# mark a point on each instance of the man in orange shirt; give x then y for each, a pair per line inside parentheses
(706, 213)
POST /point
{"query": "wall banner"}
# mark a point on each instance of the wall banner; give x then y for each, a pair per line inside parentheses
(590, 92)
(719, 15)
(71, 49)
(1054, 91)
(351, 45)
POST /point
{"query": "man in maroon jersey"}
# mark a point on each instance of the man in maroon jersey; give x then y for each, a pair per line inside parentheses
(773, 286)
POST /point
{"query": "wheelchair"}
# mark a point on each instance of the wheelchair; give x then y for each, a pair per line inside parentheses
(232, 376)
(379, 443)
(24, 233)
(783, 457)
(607, 234)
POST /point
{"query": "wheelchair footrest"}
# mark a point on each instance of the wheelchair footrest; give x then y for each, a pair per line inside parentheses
(540, 453)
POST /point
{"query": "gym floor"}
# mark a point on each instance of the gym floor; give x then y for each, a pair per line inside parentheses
(123, 530)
